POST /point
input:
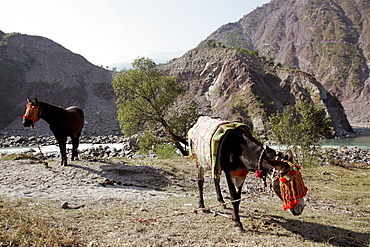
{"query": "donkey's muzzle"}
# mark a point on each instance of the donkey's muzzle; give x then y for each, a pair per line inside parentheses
(26, 122)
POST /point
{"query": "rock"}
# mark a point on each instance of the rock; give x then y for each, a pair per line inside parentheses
(344, 156)
(244, 88)
(103, 151)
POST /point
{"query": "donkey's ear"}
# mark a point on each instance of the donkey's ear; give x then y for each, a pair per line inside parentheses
(288, 155)
(277, 164)
(36, 101)
(28, 100)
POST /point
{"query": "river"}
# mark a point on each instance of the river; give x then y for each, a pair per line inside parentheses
(362, 141)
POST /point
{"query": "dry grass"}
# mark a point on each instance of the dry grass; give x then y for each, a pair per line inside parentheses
(337, 214)
(24, 225)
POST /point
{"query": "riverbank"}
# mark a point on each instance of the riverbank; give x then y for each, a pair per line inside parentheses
(22, 141)
(361, 131)
(96, 148)
(91, 147)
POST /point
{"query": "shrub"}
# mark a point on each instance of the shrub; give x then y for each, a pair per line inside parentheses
(300, 127)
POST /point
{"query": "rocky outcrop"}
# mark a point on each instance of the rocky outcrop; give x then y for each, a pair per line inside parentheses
(328, 38)
(32, 66)
(234, 85)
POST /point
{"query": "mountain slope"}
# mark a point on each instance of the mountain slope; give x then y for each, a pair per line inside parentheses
(328, 38)
(32, 66)
(226, 83)
(234, 85)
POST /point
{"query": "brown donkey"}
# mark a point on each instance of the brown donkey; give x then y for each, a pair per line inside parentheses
(62, 122)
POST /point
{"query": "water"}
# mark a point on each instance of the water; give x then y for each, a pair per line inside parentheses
(360, 142)
(55, 148)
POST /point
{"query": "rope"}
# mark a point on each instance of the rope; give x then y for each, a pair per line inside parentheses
(260, 173)
(38, 145)
(149, 221)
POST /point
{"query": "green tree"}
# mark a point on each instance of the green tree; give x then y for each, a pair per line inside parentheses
(145, 101)
(301, 127)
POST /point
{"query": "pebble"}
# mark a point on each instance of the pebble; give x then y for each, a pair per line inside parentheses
(129, 148)
(345, 155)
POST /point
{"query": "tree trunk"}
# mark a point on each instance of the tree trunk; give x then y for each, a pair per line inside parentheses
(176, 139)
(182, 150)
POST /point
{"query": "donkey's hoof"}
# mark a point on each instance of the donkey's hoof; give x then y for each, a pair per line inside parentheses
(204, 209)
(240, 230)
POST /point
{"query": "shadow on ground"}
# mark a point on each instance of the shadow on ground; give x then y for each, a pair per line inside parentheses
(127, 175)
(323, 233)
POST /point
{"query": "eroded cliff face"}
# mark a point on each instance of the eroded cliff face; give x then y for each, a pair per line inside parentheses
(33, 66)
(234, 85)
(328, 38)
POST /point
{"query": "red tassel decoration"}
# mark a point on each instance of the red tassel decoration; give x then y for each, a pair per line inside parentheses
(259, 174)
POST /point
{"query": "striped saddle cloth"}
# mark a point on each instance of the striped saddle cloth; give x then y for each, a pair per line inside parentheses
(204, 138)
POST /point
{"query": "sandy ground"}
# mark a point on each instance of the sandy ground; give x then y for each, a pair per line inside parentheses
(81, 181)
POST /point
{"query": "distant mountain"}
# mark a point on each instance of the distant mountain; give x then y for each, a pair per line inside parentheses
(328, 38)
(235, 85)
(33, 66)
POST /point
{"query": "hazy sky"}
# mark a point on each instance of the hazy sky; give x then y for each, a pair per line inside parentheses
(114, 31)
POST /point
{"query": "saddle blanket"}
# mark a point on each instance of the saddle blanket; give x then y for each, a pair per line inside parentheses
(204, 138)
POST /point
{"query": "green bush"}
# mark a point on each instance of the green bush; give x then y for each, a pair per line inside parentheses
(300, 127)
(165, 151)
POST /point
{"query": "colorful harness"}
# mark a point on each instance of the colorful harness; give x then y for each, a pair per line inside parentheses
(35, 113)
(292, 187)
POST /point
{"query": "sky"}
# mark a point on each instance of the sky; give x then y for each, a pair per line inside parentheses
(107, 32)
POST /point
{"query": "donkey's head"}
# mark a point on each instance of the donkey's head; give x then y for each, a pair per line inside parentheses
(32, 113)
(288, 183)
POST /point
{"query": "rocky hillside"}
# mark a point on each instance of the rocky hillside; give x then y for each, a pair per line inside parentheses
(32, 66)
(328, 38)
(226, 82)
(234, 85)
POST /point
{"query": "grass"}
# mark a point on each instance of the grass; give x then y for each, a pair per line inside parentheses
(22, 226)
(337, 213)
(19, 156)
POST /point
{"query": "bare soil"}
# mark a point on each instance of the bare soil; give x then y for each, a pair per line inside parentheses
(152, 202)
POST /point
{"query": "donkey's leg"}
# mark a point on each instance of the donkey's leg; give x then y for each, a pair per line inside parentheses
(75, 144)
(235, 185)
(63, 149)
(218, 190)
(200, 186)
